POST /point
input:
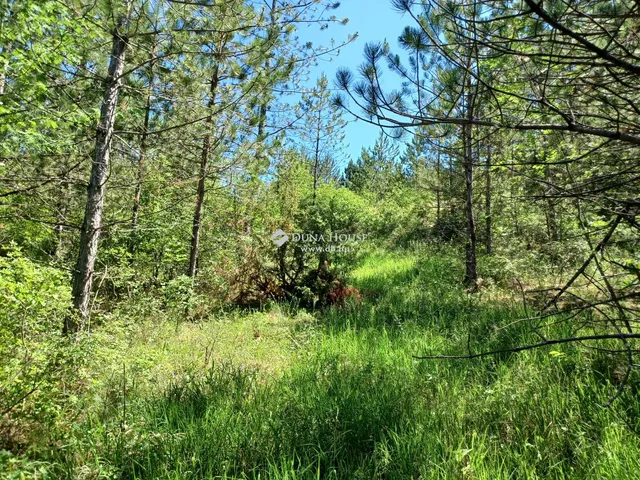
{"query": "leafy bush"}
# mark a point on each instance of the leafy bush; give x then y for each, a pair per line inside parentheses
(451, 226)
(180, 296)
(35, 360)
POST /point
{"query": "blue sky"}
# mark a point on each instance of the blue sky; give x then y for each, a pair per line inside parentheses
(374, 21)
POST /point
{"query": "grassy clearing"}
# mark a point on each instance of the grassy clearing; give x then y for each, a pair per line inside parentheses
(289, 395)
(159, 351)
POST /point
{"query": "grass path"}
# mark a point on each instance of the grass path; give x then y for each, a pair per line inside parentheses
(288, 394)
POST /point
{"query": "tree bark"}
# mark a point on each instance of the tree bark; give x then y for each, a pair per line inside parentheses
(438, 187)
(196, 228)
(141, 160)
(8, 47)
(135, 215)
(3, 70)
(316, 159)
(552, 222)
(62, 204)
(90, 233)
(487, 205)
(267, 66)
(471, 275)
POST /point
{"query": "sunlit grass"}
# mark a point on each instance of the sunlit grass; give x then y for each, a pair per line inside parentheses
(155, 352)
(291, 395)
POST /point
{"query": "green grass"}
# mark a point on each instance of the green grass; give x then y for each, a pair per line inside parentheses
(286, 395)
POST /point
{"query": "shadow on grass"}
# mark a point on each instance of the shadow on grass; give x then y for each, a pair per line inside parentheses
(327, 421)
(357, 406)
(376, 416)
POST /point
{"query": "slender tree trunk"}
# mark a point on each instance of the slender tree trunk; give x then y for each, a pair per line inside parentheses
(197, 214)
(267, 67)
(438, 187)
(139, 180)
(141, 160)
(90, 233)
(3, 70)
(5, 18)
(471, 275)
(451, 177)
(316, 159)
(514, 206)
(487, 205)
(62, 203)
(196, 228)
(552, 222)
(418, 80)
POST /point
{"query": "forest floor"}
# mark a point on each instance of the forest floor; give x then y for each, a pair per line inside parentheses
(291, 394)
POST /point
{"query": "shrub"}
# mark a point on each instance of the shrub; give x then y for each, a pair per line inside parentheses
(35, 360)
(180, 297)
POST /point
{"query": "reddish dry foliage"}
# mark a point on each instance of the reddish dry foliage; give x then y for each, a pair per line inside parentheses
(340, 293)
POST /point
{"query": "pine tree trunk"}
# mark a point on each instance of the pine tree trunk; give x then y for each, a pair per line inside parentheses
(450, 170)
(267, 66)
(197, 214)
(471, 275)
(514, 205)
(90, 233)
(141, 160)
(487, 205)
(316, 159)
(6, 53)
(3, 71)
(196, 228)
(62, 204)
(438, 187)
(139, 181)
(552, 222)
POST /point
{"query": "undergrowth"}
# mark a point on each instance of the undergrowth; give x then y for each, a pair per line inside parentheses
(288, 394)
